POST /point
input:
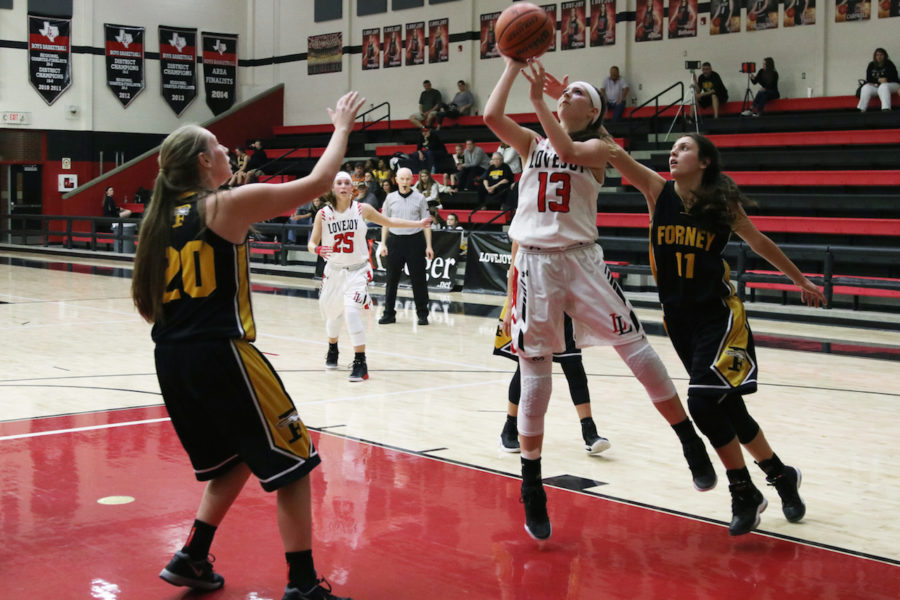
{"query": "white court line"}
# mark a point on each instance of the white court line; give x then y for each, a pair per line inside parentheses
(77, 429)
(400, 393)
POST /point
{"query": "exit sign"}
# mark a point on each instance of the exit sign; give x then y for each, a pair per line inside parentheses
(15, 118)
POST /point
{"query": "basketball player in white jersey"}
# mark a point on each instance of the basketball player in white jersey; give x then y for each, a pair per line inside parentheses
(560, 269)
(339, 236)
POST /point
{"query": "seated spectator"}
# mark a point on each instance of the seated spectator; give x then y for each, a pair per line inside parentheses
(453, 222)
(357, 176)
(109, 206)
(239, 174)
(256, 162)
(710, 89)
(366, 195)
(429, 188)
(429, 100)
(369, 165)
(462, 104)
(458, 158)
(495, 184)
(881, 80)
(767, 77)
(437, 221)
(387, 186)
(382, 172)
(475, 163)
(615, 89)
(430, 152)
(304, 215)
(511, 158)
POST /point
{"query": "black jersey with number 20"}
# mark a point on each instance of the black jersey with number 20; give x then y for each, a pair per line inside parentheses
(207, 295)
(686, 259)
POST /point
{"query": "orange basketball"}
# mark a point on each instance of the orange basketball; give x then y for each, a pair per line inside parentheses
(524, 31)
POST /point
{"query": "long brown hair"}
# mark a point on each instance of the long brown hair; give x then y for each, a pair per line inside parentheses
(593, 129)
(179, 172)
(718, 195)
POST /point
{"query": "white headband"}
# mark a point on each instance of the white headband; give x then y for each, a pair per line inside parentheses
(590, 91)
(344, 175)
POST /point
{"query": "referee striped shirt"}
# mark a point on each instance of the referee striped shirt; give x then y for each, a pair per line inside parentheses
(411, 206)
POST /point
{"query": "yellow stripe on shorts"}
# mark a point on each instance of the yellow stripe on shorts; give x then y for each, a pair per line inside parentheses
(734, 363)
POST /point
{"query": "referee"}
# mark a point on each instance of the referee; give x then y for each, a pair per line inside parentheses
(405, 245)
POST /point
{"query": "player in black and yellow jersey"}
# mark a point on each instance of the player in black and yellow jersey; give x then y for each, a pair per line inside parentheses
(692, 219)
(227, 404)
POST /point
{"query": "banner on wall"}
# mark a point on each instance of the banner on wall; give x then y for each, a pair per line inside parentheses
(801, 12)
(550, 9)
(682, 19)
(124, 61)
(603, 22)
(393, 44)
(762, 14)
(852, 10)
(888, 8)
(49, 56)
(371, 49)
(440, 271)
(724, 17)
(438, 40)
(178, 65)
(572, 17)
(487, 263)
(220, 61)
(415, 43)
(649, 18)
(325, 53)
(488, 41)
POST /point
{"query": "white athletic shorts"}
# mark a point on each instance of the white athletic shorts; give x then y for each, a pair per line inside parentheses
(575, 281)
(344, 286)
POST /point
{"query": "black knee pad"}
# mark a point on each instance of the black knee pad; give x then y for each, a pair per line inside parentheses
(711, 419)
(742, 423)
(515, 387)
(577, 380)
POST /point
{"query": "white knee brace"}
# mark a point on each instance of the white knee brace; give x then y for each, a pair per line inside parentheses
(333, 327)
(355, 325)
(646, 365)
(537, 385)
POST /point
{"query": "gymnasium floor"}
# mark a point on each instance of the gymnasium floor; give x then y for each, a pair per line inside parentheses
(414, 498)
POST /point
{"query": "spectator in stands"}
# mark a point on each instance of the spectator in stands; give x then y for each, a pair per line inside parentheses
(256, 162)
(429, 100)
(408, 246)
(429, 188)
(430, 152)
(495, 184)
(357, 176)
(458, 158)
(239, 170)
(382, 172)
(474, 164)
(366, 195)
(511, 158)
(767, 77)
(453, 222)
(462, 104)
(304, 215)
(881, 80)
(387, 186)
(615, 89)
(109, 206)
(710, 89)
(437, 221)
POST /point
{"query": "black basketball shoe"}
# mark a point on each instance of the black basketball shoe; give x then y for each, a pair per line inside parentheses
(537, 521)
(331, 358)
(788, 485)
(359, 372)
(322, 591)
(196, 574)
(509, 437)
(594, 443)
(747, 503)
(702, 471)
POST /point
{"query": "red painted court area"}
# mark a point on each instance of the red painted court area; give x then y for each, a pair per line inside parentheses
(389, 525)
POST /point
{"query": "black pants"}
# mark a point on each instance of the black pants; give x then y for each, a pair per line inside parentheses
(467, 177)
(408, 250)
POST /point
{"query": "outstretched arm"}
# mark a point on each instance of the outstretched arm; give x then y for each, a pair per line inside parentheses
(495, 111)
(647, 181)
(370, 214)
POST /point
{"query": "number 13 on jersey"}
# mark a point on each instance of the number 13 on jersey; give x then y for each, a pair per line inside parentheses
(557, 184)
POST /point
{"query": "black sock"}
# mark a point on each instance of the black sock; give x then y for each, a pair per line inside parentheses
(685, 431)
(360, 356)
(739, 476)
(301, 572)
(514, 421)
(199, 540)
(332, 346)
(772, 467)
(531, 471)
(588, 428)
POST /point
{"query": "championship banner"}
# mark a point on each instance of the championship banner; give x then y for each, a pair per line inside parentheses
(802, 12)
(440, 271)
(393, 45)
(488, 41)
(852, 10)
(49, 56)
(438, 40)
(487, 262)
(724, 17)
(886, 8)
(415, 43)
(682, 19)
(572, 16)
(603, 22)
(220, 61)
(762, 14)
(649, 17)
(550, 9)
(124, 61)
(178, 64)
(371, 49)
(325, 53)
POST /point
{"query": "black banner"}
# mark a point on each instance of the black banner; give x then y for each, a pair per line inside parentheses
(441, 271)
(124, 61)
(49, 56)
(178, 64)
(487, 262)
(220, 61)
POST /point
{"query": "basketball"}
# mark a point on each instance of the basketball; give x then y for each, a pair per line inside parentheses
(524, 31)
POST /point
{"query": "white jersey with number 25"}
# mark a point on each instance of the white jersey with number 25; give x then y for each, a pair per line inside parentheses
(346, 232)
